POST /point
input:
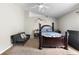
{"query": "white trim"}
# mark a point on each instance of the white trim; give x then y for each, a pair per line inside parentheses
(6, 49)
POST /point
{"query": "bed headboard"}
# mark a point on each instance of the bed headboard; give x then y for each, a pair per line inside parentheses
(41, 27)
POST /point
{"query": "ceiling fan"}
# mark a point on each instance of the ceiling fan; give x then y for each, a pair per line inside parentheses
(40, 6)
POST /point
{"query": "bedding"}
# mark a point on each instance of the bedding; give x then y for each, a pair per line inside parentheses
(47, 32)
(51, 34)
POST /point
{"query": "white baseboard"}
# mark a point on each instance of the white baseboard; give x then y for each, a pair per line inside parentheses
(6, 49)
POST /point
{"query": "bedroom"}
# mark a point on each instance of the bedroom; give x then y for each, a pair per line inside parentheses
(25, 17)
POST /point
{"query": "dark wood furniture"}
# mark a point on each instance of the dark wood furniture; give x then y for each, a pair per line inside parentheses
(73, 38)
(52, 41)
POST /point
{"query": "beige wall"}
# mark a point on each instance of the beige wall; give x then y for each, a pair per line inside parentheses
(32, 22)
(11, 22)
(69, 22)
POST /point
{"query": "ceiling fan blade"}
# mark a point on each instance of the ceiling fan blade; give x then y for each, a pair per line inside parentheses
(34, 6)
(77, 11)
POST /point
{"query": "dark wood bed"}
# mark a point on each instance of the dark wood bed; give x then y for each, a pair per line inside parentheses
(52, 42)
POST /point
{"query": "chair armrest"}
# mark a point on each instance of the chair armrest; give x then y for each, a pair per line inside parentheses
(27, 36)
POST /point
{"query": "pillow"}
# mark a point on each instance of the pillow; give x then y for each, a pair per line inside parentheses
(46, 29)
(49, 30)
(23, 36)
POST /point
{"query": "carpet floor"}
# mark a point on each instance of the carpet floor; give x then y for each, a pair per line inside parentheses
(31, 48)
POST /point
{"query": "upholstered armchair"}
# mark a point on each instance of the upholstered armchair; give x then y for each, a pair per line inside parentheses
(19, 38)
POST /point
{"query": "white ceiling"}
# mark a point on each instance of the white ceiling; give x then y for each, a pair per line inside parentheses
(52, 9)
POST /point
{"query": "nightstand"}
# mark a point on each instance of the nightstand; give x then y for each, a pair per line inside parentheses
(36, 33)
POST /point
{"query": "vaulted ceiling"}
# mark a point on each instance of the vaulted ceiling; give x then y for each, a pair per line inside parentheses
(55, 10)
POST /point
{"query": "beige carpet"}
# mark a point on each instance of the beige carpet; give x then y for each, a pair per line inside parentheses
(31, 48)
